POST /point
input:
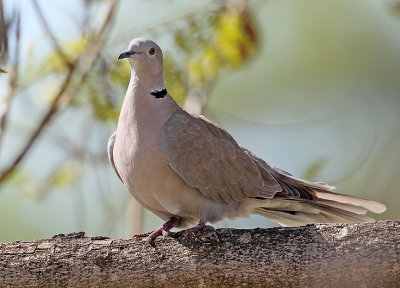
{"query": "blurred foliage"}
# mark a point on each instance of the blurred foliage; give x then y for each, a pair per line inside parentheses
(55, 62)
(29, 186)
(175, 79)
(64, 175)
(225, 39)
(2, 70)
(119, 73)
(313, 170)
(393, 7)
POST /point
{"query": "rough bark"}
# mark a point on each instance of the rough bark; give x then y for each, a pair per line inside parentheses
(323, 255)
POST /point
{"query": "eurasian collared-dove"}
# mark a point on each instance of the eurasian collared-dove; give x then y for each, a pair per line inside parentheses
(187, 170)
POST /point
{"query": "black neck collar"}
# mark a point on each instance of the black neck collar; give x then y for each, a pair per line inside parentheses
(159, 93)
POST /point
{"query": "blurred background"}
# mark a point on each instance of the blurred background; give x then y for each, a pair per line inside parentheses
(313, 87)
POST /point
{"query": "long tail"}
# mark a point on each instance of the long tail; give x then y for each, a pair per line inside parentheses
(322, 205)
(308, 212)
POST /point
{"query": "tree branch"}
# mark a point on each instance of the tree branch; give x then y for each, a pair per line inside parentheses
(321, 255)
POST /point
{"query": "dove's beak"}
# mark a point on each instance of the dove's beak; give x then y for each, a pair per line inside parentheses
(126, 54)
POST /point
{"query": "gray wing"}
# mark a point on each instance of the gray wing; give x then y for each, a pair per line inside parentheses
(208, 158)
(110, 151)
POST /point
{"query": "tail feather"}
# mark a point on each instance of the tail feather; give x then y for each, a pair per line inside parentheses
(340, 215)
(304, 202)
(323, 191)
(370, 205)
(287, 219)
(320, 213)
(343, 206)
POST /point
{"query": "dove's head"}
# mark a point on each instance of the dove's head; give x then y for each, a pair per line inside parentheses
(144, 56)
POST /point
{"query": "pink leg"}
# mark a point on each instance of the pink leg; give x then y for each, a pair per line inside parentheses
(201, 225)
(163, 230)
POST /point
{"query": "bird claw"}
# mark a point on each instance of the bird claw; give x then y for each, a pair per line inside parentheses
(200, 226)
(144, 235)
(163, 230)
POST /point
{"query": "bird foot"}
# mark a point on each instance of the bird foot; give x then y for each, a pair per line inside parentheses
(163, 230)
(200, 226)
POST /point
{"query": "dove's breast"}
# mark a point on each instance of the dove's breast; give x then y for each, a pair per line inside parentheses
(148, 177)
(144, 168)
(140, 163)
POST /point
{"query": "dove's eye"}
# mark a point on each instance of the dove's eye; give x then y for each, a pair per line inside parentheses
(152, 51)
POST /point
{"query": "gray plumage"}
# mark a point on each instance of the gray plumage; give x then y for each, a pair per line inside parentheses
(184, 167)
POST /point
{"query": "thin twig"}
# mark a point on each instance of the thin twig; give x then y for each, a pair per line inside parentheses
(62, 97)
(107, 20)
(3, 32)
(57, 46)
(12, 79)
(46, 119)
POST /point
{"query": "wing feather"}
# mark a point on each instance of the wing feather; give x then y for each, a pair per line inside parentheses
(208, 158)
